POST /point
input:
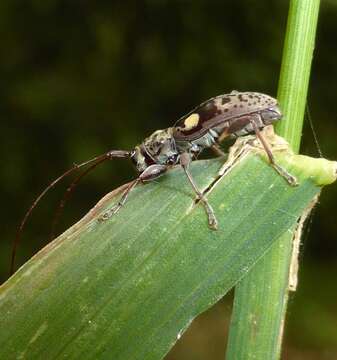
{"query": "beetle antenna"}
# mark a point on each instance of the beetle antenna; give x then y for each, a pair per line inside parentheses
(99, 159)
(66, 196)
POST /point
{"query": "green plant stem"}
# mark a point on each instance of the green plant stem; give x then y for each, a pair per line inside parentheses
(261, 297)
(295, 70)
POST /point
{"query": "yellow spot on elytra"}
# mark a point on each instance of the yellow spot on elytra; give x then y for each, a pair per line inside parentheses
(191, 122)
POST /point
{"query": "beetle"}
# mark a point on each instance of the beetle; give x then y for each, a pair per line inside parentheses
(206, 126)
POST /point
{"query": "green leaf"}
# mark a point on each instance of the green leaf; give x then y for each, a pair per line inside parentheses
(261, 298)
(127, 288)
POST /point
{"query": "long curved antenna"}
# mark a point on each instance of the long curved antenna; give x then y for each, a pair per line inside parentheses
(107, 156)
(67, 195)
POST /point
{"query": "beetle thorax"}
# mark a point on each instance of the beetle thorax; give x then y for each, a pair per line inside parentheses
(158, 148)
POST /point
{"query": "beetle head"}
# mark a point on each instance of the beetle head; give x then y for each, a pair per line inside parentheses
(158, 148)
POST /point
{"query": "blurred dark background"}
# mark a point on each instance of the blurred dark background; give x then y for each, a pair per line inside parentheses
(79, 78)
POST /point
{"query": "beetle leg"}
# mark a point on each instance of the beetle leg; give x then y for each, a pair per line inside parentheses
(217, 150)
(150, 173)
(284, 173)
(120, 203)
(185, 160)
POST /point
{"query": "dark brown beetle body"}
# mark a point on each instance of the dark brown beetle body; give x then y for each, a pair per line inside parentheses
(208, 124)
(234, 114)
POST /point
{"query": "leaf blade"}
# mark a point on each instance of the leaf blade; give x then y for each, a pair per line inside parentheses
(125, 288)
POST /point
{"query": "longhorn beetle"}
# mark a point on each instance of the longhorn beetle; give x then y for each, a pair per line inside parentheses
(206, 126)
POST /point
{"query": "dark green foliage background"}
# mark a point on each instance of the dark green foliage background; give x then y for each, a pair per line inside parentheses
(79, 78)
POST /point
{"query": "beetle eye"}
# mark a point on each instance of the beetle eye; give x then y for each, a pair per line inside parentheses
(171, 159)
